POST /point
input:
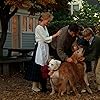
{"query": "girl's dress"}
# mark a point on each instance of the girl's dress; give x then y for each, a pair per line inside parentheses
(41, 54)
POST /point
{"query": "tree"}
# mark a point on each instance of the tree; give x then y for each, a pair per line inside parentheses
(52, 5)
(94, 2)
(88, 15)
(8, 8)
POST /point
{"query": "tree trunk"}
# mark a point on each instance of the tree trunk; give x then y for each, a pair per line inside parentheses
(1, 53)
(5, 16)
(4, 27)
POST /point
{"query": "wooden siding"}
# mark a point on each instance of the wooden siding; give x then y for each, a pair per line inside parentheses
(28, 40)
(21, 31)
(15, 35)
(8, 43)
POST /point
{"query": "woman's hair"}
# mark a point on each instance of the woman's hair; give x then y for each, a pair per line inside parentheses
(87, 32)
(45, 15)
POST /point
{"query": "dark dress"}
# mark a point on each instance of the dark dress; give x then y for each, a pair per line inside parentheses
(33, 71)
(37, 73)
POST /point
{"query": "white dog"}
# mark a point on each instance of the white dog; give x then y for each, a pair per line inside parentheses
(54, 74)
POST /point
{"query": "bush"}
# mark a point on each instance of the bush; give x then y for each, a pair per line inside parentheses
(88, 16)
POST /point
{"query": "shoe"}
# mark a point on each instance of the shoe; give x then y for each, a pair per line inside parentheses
(35, 87)
(40, 87)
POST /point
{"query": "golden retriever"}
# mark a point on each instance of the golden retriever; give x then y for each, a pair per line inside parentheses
(72, 72)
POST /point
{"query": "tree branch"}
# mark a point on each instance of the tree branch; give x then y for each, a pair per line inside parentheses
(2, 4)
(7, 9)
(13, 12)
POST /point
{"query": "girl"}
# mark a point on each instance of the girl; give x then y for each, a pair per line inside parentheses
(41, 53)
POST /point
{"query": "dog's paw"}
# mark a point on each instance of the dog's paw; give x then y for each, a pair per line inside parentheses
(83, 91)
(78, 96)
(62, 93)
(52, 93)
(89, 90)
(68, 92)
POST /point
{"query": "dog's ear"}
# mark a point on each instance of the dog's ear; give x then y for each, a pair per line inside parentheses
(81, 59)
(51, 60)
(58, 62)
(81, 50)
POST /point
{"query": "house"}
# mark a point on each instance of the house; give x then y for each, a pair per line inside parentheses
(75, 5)
(21, 31)
(21, 27)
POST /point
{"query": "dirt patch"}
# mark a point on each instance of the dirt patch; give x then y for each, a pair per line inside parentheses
(15, 87)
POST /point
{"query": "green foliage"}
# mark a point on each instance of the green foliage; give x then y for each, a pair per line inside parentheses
(56, 25)
(62, 5)
(89, 15)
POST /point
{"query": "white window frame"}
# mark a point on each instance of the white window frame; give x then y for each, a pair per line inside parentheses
(75, 2)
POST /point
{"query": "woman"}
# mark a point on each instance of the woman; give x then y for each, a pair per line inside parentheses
(41, 55)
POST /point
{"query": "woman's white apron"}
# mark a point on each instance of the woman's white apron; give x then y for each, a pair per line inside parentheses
(42, 53)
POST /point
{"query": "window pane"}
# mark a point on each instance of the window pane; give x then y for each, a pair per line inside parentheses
(31, 24)
(8, 27)
(15, 35)
(24, 23)
(14, 24)
(76, 7)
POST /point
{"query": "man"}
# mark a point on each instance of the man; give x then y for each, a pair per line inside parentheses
(64, 42)
(93, 51)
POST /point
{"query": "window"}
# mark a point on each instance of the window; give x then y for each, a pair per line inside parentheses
(76, 7)
(28, 24)
(9, 26)
(31, 24)
(15, 24)
(24, 23)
